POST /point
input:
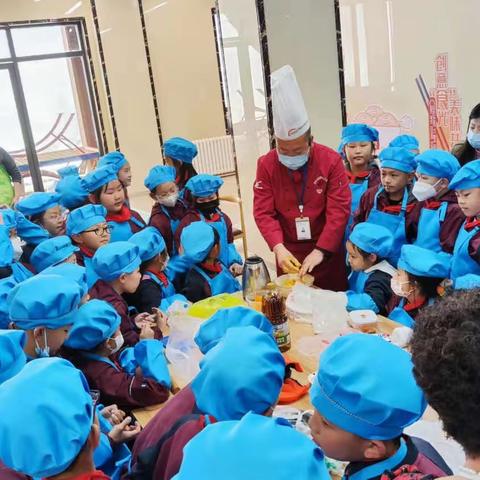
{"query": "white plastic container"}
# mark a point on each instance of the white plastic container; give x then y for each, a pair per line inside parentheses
(363, 320)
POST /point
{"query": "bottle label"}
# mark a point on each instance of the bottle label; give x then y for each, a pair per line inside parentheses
(281, 334)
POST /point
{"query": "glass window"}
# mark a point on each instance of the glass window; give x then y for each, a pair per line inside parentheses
(4, 50)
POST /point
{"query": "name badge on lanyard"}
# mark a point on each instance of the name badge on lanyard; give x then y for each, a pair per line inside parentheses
(302, 224)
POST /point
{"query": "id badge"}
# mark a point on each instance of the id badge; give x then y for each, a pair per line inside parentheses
(302, 225)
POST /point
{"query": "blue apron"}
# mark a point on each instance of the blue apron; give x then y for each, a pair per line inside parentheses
(173, 226)
(462, 262)
(400, 315)
(429, 226)
(221, 228)
(223, 282)
(378, 468)
(122, 231)
(92, 277)
(357, 189)
(357, 281)
(394, 223)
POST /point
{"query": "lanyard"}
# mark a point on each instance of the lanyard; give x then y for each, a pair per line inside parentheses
(300, 198)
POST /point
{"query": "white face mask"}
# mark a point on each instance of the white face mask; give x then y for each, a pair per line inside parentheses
(293, 162)
(423, 190)
(118, 343)
(168, 201)
(474, 139)
(17, 244)
(45, 351)
(396, 287)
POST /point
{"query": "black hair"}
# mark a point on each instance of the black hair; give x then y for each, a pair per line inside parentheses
(5, 271)
(363, 253)
(184, 170)
(98, 192)
(216, 241)
(144, 265)
(428, 285)
(37, 218)
(446, 357)
(464, 151)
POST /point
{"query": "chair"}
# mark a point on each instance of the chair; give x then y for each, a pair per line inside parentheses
(238, 232)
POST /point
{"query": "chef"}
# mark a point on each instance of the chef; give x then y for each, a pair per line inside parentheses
(301, 194)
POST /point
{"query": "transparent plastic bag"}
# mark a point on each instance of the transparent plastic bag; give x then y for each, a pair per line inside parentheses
(329, 313)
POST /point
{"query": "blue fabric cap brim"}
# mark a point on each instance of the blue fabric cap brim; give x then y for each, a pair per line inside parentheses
(400, 166)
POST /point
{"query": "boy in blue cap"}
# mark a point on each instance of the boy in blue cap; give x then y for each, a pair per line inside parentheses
(45, 307)
(155, 290)
(117, 266)
(224, 450)
(362, 406)
(437, 218)
(180, 153)
(87, 227)
(204, 189)
(369, 283)
(92, 346)
(224, 389)
(420, 273)
(391, 203)
(358, 148)
(466, 253)
(409, 142)
(105, 189)
(209, 276)
(71, 188)
(52, 432)
(52, 252)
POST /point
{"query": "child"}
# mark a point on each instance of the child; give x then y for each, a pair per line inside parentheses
(390, 204)
(357, 147)
(409, 142)
(155, 290)
(105, 188)
(121, 164)
(466, 252)
(117, 267)
(168, 210)
(51, 430)
(204, 189)
(446, 358)
(71, 271)
(179, 153)
(362, 406)
(88, 229)
(437, 218)
(45, 307)
(369, 282)
(52, 252)
(92, 345)
(208, 276)
(221, 451)
(71, 188)
(254, 385)
(420, 273)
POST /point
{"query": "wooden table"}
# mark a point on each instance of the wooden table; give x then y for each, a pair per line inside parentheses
(309, 362)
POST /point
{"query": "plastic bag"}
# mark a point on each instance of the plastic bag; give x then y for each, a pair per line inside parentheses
(329, 313)
(299, 304)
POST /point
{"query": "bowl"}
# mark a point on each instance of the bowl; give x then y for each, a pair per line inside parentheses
(286, 282)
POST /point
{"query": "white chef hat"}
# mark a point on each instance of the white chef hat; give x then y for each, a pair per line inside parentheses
(290, 118)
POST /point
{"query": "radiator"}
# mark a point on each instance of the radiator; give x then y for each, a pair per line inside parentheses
(215, 155)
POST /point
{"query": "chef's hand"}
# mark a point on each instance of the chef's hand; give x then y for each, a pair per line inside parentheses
(285, 260)
(314, 258)
(123, 432)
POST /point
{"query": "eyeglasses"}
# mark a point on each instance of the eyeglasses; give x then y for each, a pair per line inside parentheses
(100, 231)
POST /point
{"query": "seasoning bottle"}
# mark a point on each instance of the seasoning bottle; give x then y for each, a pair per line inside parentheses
(273, 307)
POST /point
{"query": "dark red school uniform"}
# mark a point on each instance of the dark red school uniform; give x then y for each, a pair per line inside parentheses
(8, 474)
(372, 176)
(450, 226)
(474, 244)
(163, 222)
(96, 475)
(116, 386)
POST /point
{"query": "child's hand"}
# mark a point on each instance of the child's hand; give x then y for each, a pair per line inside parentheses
(113, 414)
(236, 269)
(141, 319)
(123, 432)
(146, 331)
(160, 319)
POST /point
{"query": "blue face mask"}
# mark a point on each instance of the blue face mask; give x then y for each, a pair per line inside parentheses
(295, 162)
(474, 139)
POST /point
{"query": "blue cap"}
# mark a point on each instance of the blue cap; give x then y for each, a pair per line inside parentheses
(99, 177)
(9, 218)
(212, 331)
(50, 415)
(95, 322)
(6, 248)
(197, 239)
(117, 159)
(48, 301)
(72, 271)
(372, 238)
(437, 163)
(159, 175)
(180, 149)
(467, 282)
(358, 132)
(29, 231)
(51, 252)
(83, 218)
(398, 159)
(38, 202)
(12, 356)
(70, 187)
(423, 262)
(374, 394)
(203, 185)
(110, 261)
(467, 177)
(254, 447)
(405, 141)
(149, 242)
(6, 286)
(228, 388)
